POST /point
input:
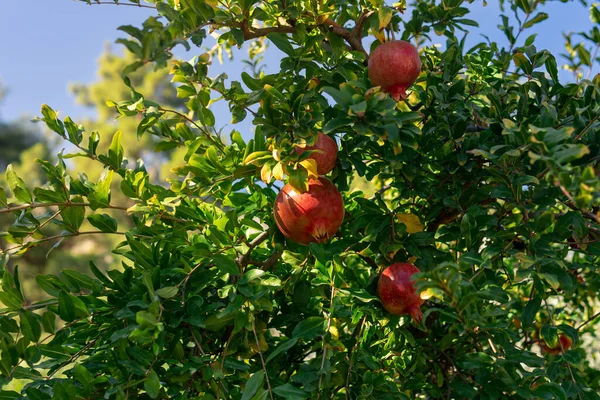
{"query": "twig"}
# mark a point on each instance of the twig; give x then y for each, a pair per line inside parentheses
(262, 360)
(360, 23)
(200, 128)
(121, 4)
(580, 134)
(324, 340)
(46, 239)
(197, 342)
(590, 319)
(75, 356)
(351, 354)
(58, 204)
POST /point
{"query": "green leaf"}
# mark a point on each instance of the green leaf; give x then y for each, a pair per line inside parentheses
(70, 307)
(530, 311)
(335, 124)
(310, 328)
(104, 222)
(522, 62)
(282, 347)
(474, 360)
(290, 392)
(73, 216)
(146, 320)
(226, 265)
(78, 280)
(100, 197)
(550, 335)
(11, 301)
(152, 384)
(550, 391)
(30, 326)
(552, 68)
(52, 121)
(82, 374)
(253, 384)
(537, 19)
(167, 292)
(3, 199)
(115, 151)
(17, 186)
(9, 395)
(281, 41)
(358, 109)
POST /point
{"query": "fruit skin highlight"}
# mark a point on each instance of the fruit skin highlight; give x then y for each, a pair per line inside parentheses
(327, 156)
(394, 66)
(397, 293)
(313, 216)
(566, 342)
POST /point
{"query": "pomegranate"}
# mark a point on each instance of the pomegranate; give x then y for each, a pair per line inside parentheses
(313, 216)
(394, 66)
(397, 293)
(326, 157)
(563, 339)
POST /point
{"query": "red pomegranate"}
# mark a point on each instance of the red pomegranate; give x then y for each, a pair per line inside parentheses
(394, 66)
(313, 216)
(564, 340)
(327, 156)
(397, 293)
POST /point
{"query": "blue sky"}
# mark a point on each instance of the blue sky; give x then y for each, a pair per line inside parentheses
(45, 45)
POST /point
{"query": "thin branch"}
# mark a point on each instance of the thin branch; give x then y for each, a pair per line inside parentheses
(260, 32)
(580, 134)
(262, 360)
(75, 356)
(590, 319)
(354, 42)
(200, 128)
(324, 341)
(58, 204)
(360, 23)
(197, 342)
(121, 4)
(361, 325)
(70, 235)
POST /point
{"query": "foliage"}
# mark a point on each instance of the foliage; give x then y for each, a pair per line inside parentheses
(496, 157)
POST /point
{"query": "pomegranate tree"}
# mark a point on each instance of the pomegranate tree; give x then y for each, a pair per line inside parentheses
(326, 156)
(312, 216)
(397, 293)
(394, 66)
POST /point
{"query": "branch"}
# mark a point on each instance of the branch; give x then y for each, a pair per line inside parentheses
(590, 319)
(200, 128)
(260, 32)
(360, 325)
(268, 263)
(262, 360)
(360, 23)
(352, 40)
(67, 236)
(324, 341)
(121, 4)
(63, 204)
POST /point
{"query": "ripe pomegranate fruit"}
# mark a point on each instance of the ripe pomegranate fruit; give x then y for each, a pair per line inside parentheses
(564, 340)
(394, 66)
(397, 293)
(313, 216)
(326, 157)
